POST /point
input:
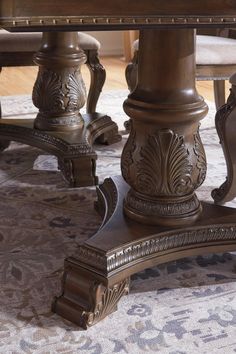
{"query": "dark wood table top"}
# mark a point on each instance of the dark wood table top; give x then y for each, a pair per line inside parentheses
(114, 14)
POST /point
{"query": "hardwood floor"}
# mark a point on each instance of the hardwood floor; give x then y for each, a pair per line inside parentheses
(20, 80)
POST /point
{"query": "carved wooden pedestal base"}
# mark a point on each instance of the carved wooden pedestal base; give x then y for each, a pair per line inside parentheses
(94, 282)
(59, 93)
(76, 157)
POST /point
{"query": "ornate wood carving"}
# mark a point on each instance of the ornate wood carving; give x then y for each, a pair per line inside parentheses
(165, 168)
(59, 91)
(115, 21)
(152, 246)
(76, 92)
(59, 97)
(96, 279)
(87, 305)
(201, 158)
(48, 92)
(76, 157)
(164, 162)
(174, 240)
(156, 245)
(162, 208)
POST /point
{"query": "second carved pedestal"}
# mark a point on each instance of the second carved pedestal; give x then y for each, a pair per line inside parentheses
(59, 128)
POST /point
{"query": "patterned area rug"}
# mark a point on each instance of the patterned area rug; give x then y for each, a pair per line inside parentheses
(187, 306)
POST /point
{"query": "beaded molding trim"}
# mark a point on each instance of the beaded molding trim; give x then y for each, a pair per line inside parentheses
(115, 21)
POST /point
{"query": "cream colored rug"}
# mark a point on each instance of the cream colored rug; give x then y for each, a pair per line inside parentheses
(188, 306)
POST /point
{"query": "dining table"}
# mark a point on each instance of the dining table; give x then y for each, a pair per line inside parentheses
(151, 214)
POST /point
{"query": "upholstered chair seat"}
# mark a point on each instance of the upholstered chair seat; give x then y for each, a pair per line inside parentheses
(214, 50)
(215, 60)
(211, 50)
(30, 41)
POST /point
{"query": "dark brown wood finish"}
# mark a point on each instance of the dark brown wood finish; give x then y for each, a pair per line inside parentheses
(114, 14)
(131, 8)
(155, 217)
(163, 160)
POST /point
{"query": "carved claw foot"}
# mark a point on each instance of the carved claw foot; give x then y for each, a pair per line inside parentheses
(79, 172)
(86, 300)
(226, 127)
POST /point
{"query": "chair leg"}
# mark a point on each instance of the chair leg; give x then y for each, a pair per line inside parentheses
(98, 77)
(219, 93)
(131, 72)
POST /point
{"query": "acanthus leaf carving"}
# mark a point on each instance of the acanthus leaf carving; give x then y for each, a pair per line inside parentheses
(76, 92)
(164, 168)
(48, 93)
(108, 301)
(201, 158)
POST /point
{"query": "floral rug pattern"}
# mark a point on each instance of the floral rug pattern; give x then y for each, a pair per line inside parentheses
(187, 306)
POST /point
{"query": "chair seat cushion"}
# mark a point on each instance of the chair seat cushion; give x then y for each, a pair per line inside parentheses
(212, 50)
(30, 42)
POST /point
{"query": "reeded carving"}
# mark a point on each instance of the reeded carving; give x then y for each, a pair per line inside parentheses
(201, 158)
(165, 168)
